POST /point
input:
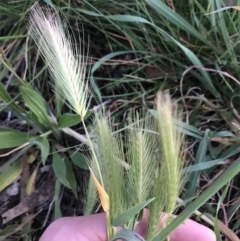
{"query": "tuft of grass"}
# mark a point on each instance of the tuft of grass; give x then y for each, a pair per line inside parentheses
(152, 149)
(137, 48)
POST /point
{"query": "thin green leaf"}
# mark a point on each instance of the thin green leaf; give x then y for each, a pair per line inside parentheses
(4, 95)
(59, 168)
(230, 173)
(200, 157)
(11, 138)
(98, 65)
(57, 202)
(79, 159)
(233, 150)
(71, 177)
(50, 3)
(90, 13)
(43, 144)
(176, 19)
(8, 229)
(10, 174)
(64, 172)
(127, 18)
(223, 26)
(37, 105)
(130, 213)
(68, 120)
(206, 80)
(106, 58)
(91, 197)
(12, 37)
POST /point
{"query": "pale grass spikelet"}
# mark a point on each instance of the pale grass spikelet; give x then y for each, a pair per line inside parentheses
(91, 198)
(66, 63)
(170, 142)
(109, 152)
(91, 191)
(169, 178)
(157, 206)
(141, 149)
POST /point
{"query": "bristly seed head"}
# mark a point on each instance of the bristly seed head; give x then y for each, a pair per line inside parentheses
(66, 63)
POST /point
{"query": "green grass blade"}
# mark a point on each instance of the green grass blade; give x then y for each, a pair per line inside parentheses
(57, 202)
(233, 150)
(230, 173)
(224, 31)
(130, 213)
(64, 172)
(200, 157)
(176, 19)
(37, 105)
(4, 95)
(11, 138)
(10, 174)
(91, 197)
(71, 177)
(68, 120)
(78, 159)
(43, 144)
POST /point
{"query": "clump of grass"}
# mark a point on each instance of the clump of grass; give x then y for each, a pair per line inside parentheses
(179, 35)
(107, 149)
(152, 151)
(108, 162)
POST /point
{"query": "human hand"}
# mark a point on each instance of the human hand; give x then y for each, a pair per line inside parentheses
(94, 228)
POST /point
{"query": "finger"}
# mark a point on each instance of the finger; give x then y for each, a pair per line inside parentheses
(191, 230)
(187, 231)
(85, 228)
